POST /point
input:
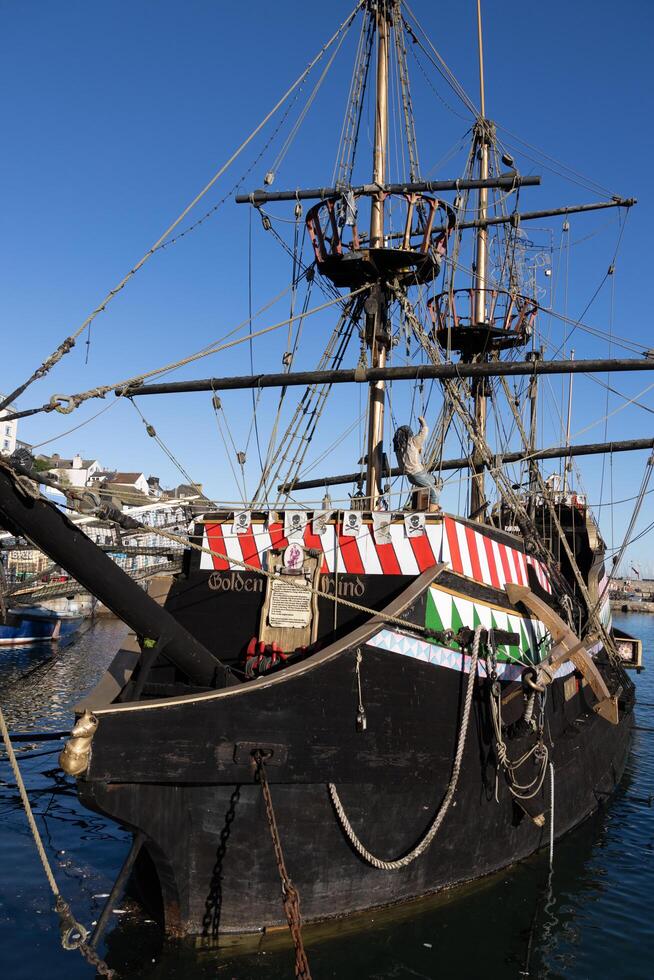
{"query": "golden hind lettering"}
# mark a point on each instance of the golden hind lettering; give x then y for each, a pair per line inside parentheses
(235, 582)
(347, 588)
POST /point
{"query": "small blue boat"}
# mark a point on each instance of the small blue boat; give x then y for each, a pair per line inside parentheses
(26, 625)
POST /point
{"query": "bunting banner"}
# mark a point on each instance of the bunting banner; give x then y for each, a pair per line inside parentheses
(242, 522)
(472, 551)
(414, 525)
(295, 522)
(352, 521)
(320, 521)
(381, 525)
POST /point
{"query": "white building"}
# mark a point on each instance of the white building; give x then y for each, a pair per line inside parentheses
(76, 471)
(7, 431)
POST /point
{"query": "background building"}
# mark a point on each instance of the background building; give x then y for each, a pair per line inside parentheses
(75, 472)
(8, 430)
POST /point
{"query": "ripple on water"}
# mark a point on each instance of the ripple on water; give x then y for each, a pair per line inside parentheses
(591, 919)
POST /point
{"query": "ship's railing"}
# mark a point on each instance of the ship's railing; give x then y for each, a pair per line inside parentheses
(512, 313)
(556, 497)
(333, 228)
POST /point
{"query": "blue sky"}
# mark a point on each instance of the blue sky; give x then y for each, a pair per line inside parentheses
(114, 115)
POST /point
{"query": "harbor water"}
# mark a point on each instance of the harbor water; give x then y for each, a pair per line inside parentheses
(589, 918)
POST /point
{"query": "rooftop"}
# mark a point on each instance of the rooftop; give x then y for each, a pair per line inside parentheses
(115, 477)
(67, 464)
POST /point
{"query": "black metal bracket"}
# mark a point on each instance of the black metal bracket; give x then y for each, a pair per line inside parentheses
(119, 884)
(146, 662)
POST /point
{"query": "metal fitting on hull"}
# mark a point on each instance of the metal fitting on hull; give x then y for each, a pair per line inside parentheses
(74, 758)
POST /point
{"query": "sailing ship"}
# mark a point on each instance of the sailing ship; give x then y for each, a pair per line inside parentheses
(392, 690)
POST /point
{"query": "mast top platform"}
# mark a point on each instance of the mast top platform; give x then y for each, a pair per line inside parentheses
(342, 257)
(508, 321)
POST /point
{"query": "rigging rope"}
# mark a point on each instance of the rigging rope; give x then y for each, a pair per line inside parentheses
(73, 933)
(407, 106)
(279, 159)
(65, 404)
(620, 408)
(441, 813)
(352, 120)
(593, 618)
(212, 210)
(310, 406)
(439, 64)
(647, 475)
(337, 600)
(608, 273)
(69, 342)
(255, 421)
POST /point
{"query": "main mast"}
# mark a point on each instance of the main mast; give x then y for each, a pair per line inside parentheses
(376, 305)
(490, 315)
(480, 386)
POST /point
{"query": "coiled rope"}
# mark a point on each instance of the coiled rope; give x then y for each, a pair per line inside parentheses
(423, 844)
(539, 751)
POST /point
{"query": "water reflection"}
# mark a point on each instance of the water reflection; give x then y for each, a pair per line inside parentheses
(590, 918)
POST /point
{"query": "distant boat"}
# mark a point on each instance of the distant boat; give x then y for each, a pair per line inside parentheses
(36, 624)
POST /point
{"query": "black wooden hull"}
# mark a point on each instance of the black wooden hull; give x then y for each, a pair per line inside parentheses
(190, 787)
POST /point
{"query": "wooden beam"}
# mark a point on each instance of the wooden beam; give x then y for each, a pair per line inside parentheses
(462, 462)
(568, 647)
(438, 372)
(369, 190)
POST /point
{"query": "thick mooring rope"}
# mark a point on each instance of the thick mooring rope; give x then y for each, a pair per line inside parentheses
(73, 933)
(423, 844)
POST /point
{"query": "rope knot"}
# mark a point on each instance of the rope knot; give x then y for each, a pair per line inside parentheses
(64, 404)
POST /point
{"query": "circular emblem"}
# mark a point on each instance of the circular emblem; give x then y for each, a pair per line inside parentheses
(293, 556)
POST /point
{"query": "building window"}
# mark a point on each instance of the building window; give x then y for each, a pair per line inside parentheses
(6, 444)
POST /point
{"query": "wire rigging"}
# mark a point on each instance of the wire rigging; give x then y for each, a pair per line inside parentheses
(69, 342)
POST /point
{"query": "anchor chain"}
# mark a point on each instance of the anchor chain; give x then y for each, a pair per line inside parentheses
(290, 894)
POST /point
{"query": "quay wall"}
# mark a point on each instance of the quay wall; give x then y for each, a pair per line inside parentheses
(628, 605)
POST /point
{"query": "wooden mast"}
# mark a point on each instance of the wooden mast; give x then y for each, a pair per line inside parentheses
(536, 356)
(567, 469)
(376, 304)
(478, 317)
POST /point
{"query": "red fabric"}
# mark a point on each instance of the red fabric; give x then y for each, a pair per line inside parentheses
(474, 557)
(508, 574)
(277, 538)
(217, 542)
(312, 540)
(349, 552)
(453, 541)
(490, 557)
(422, 552)
(249, 548)
(388, 559)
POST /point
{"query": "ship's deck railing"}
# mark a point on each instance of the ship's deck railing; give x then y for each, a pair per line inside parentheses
(509, 312)
(333, 229)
